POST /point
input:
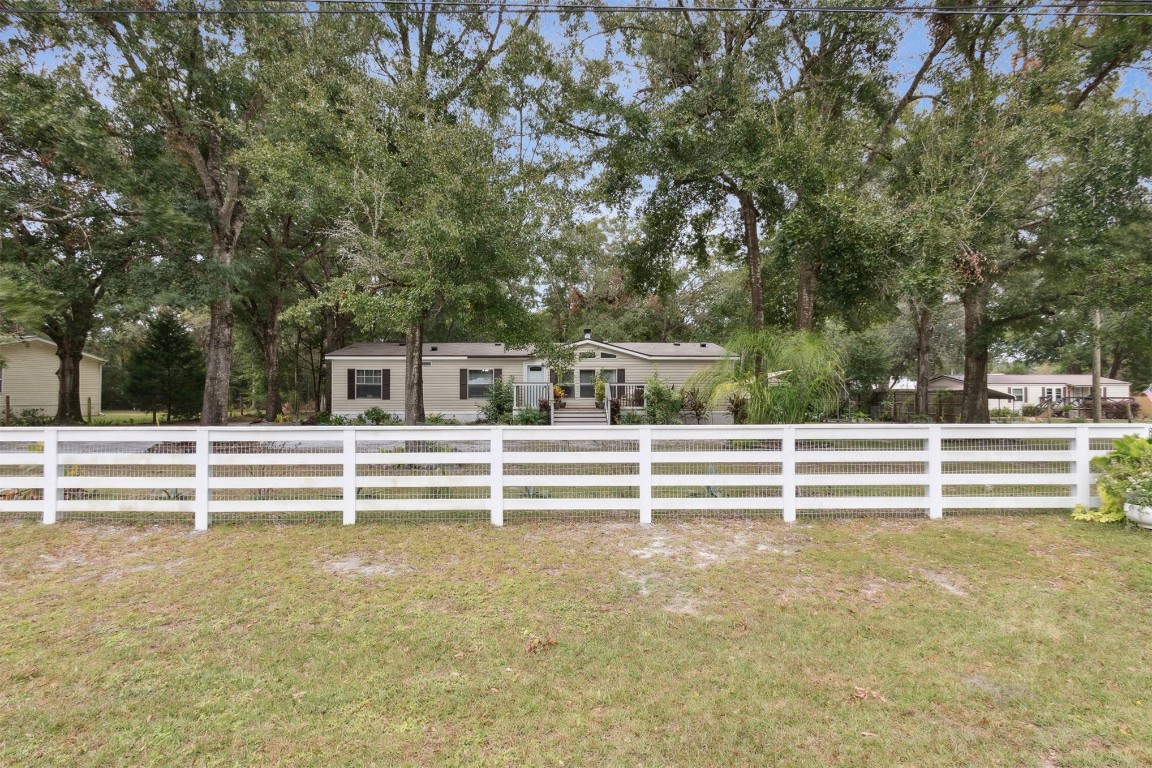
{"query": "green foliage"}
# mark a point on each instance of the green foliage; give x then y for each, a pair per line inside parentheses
(1029, 410)
(776, 378)
(1139, 490)
(1128, 468)
(440, 420)
(30, 417)
(377, 417)
(661, 401)
(599, 389)
(1001, 413)
(166, 371)
(531, 417)
(696, 403)
(499, 402)
(632, 419)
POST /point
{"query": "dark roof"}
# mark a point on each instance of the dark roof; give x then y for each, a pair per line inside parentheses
(446, 349)
(690, 350)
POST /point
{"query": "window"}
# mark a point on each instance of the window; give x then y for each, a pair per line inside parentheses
(479, 383)
(564, 381)
(608, 354)
(1017, 393)
(588, 381)
(369, 384)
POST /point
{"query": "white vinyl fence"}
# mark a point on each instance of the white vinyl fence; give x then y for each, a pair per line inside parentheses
(498, 474)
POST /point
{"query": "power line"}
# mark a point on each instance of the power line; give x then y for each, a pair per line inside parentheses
(371, 7)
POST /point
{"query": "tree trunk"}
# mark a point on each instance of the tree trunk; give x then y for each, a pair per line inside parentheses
(974, 409)
(414, 374)
(923, 350)
(273, 404)
(751, 218)
(1097, 404)
(70, 352)
(218, 364)
(1117, 362)
(806, 278)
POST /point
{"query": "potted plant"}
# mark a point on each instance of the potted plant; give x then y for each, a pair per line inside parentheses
(1138, 500)
(599, 389)
(558, 395)
(1124, 484)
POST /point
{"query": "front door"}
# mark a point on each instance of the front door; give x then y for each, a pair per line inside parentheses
(536, 374)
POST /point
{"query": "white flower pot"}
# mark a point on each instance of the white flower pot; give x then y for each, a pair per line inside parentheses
(1142, 516)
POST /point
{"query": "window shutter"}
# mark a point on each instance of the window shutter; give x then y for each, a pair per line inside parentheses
(553, 377)
(386, 384)
(351, 383)
(619, 375)
(498, 374)
(463, 383)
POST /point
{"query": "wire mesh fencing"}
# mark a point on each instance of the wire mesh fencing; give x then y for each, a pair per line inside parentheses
(205, 476)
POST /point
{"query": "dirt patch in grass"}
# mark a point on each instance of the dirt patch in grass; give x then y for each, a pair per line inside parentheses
(367, 566)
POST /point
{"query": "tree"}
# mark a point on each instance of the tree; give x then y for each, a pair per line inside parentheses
(751, 124)
(166, 372)
(201, 82)
(775, 378)
(69, 212)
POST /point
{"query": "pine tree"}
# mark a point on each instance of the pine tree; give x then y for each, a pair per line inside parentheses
(166, 372)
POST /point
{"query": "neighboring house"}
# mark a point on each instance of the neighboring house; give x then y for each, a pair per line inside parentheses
(1038, 388)
(457, 376)
(28, 379)
(1144, 403)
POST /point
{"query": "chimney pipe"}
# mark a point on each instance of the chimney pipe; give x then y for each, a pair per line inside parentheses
(588, 333)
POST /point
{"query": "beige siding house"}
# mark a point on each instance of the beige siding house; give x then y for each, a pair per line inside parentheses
(28, 378)
(457, 375)
(1007, 390)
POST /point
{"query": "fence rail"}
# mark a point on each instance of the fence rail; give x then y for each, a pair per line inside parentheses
(498, 474)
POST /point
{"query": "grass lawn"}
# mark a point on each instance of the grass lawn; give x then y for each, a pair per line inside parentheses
(966, 642)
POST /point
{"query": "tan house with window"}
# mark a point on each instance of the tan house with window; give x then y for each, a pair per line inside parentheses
(28, 380)
(1009, 390)
(457, 376)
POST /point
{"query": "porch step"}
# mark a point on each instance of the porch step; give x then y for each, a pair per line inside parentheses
(570, 415)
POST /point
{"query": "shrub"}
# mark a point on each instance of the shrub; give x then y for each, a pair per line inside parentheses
(440, 420)
(1139, 491)
(531, 417)
(1001, 413)
(1029, 410)
(599, 389)
(377, 416)
(1121, 471)
(693, 401)
(662, 402)
(31, 417)
(333, 420)
(631, 418)
(499, 403)
(737, 407)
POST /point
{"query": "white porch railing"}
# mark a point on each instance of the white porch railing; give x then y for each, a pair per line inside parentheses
(529, 395)
(214, 475)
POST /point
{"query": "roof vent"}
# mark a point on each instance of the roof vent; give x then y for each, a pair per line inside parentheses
(675, 343)
(703, 343)
(433, 348)
(588, 333)
(399, 343)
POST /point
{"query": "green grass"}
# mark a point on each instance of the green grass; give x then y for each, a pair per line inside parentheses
(966, 642)
(122, 418)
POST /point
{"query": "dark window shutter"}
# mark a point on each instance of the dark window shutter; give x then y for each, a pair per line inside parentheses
(386, 384)
(553, 377)
(463, 383)
(351, 383)
(498, 374)
(619, 375)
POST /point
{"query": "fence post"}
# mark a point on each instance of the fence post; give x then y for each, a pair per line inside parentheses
(644, 478)
(788, 474)
(935, 472)
(496, 474)
(1083, 470)
(203, 478)
(349, 476)
(51, 473)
